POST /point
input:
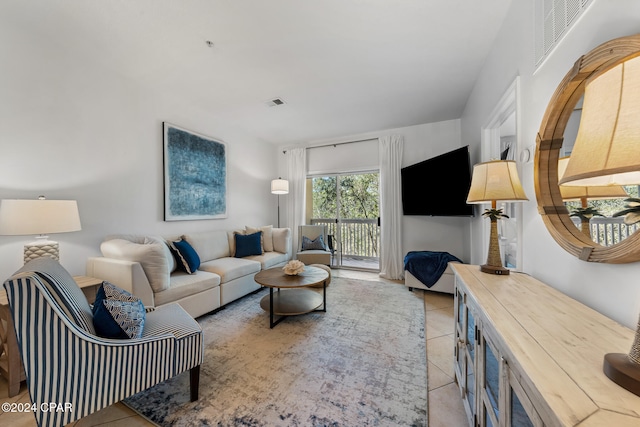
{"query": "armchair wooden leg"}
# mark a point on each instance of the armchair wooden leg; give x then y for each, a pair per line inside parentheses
(194, 381)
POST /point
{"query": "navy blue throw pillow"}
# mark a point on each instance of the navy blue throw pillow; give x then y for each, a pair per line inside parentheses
(248, 244)
(186, 257)
(117, 313)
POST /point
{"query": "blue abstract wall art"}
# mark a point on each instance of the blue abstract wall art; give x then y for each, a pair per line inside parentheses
(195, 176)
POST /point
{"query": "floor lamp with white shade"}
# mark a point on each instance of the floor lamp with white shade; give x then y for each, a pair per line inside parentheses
(279, 186)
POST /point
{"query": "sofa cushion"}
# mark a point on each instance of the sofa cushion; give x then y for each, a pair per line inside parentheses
(186, 257)
(184, 285)
(314, 257)
(248, 244)
(266, 238)
(152, 253)
(117, 313)
(269, 259)
(281, 240)
(209, 244)
(230, 268)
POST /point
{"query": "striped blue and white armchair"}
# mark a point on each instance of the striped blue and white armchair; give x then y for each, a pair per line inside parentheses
(67, 364)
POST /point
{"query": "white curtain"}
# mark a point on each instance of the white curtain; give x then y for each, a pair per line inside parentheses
(296, 159)
(391, 257)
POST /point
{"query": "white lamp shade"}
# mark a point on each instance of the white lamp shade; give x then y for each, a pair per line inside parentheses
(574, 192)
(280, 186)
(495, 181)
(607, 148)
(29, 217)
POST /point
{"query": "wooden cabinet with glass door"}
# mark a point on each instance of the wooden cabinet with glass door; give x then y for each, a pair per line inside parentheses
(537, 356)
(465, 353)
(502, 400)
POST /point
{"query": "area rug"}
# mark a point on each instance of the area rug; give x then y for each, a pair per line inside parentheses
(362, 363)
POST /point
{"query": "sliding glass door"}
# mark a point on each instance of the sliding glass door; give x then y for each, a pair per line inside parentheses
(348, 204)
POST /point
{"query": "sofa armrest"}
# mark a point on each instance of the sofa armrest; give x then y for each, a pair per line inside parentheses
(127, 275)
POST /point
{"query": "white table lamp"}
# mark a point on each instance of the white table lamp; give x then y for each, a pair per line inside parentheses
(39, 217)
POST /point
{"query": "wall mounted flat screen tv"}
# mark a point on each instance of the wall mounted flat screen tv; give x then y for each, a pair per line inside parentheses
(438, 186)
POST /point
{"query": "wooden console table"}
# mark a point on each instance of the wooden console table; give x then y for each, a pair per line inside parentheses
(528, 355)
(10, 363)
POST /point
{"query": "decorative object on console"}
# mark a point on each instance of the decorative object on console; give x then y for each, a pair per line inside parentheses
(279, 186)
(624, 369)
(606, 154)
(23, 217)
(293, 267)
(195, 175)
(491, 182)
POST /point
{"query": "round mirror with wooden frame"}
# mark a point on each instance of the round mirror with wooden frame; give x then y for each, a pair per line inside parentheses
(549, 141)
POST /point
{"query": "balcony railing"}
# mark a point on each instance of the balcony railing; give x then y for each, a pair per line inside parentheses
(608, 231)
(356, 238)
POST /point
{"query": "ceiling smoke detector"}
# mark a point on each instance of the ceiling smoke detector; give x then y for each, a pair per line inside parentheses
(275, 102)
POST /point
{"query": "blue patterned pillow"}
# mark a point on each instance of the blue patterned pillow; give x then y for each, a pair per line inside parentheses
(117, 313)
(317, 244)
(187, 258)
(248, 244)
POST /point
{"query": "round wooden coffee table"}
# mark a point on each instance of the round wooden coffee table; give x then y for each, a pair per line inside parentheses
(290, 299)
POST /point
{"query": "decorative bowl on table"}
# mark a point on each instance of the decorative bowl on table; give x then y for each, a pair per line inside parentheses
(293, 267)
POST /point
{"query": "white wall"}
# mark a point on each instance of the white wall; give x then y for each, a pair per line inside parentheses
(72, 129)
(614, 290)
(421, 142)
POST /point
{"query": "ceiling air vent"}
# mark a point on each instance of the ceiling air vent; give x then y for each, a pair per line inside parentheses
(553, 19)
(275, 102)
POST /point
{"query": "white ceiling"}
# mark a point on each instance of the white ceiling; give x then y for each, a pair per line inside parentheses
(342, 66)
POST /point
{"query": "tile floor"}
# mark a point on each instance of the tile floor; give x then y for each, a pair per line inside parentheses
(445, 405)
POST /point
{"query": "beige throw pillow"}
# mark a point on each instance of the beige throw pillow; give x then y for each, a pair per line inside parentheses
(231, 235)
(152, 254)
(281, 240)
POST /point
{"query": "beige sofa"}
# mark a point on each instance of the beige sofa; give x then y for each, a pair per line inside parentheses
(144, 266)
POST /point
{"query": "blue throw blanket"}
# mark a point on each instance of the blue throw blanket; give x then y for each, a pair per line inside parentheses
(428, 266)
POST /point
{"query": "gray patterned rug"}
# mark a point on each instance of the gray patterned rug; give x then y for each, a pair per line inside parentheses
(363, 363)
